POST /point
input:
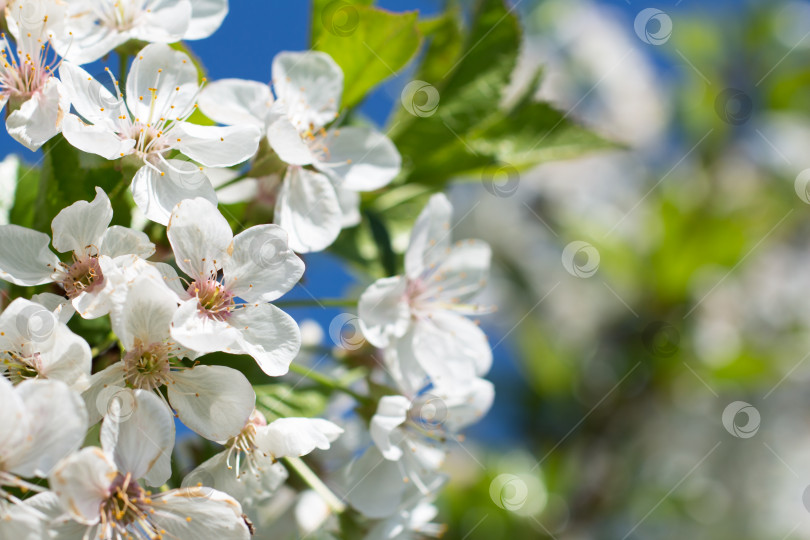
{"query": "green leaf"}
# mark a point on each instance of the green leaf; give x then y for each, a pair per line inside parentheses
(69, 175)
(535, 133)
(374, 47)
(22, 213)
(281, 400)
(468, 130)
(469, 87)
(334, 16)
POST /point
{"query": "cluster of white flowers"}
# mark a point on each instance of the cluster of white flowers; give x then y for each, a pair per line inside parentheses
(433, 357)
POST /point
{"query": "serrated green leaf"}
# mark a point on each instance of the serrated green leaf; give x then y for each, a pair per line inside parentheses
(374, 48)
(472, 130)
(535, 133)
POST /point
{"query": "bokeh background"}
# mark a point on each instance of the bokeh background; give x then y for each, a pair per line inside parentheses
(651, 343)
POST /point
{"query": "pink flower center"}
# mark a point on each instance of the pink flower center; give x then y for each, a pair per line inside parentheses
(214, 299)
(84, 275)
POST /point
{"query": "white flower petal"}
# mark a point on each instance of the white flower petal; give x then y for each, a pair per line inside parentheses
(147, 313)
(137, 431)
(91, 99)
(308, 209)
(206, 18)
(22, 522)
(9, 173)
(200, 237)
(286, 141)
(383, 310)
(267, 334)
(309, 84)
(170, 73)
(450, 347)
(40, 118)
(430, 237)
(157, 192)
(349, 206)
(200, 333)
(215, 146)
(82, 482)
(104, 386)
(58, 430)
(359, 158)
(403, 365)
(24, 256)
(14, 422)
(237, 102)
(118, 240)
(164, 22)
(375, 485)
(82, 224)
(214, 401)
(67, 360)
(261, 267)
(465, 404)
(461, 275)
(392, 411)
(292, 437)
(199, 513)
(95, 139)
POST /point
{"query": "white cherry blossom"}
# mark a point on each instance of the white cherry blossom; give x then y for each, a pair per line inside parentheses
(148, 122)
(94, 28)
(413, 520)
(312, 205)
(248, 468)
(83, 230)
(214, 401)
(36, 100)
(226, 306)
(419, 318)
(35, 344)
(42, 422)
(99, 489)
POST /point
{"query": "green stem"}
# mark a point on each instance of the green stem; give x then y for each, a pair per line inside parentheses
(317, 485)
(123, 62)
(124, 182)
(325, 381)
(317, 302)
